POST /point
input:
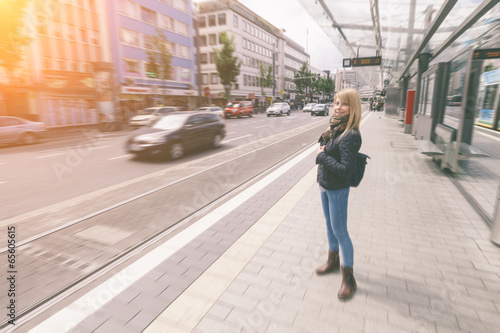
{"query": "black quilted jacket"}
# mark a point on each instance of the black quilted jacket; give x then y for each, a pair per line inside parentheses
(336, 163)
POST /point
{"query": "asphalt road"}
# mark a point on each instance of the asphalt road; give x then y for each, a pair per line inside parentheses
(37, 176)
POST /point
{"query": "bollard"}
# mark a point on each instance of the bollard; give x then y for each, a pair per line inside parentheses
(495, 230)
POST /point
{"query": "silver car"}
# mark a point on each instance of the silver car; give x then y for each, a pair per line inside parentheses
(308, 107)
(18, 130)
(278, 109)
(214, 109)
(150, 115)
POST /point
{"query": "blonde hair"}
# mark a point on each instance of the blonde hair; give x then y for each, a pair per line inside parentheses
(352, 99)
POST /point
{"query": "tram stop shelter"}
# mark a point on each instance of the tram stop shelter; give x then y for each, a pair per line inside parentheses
(446, 51)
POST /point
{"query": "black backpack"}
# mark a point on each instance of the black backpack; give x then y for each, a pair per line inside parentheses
(359, 169)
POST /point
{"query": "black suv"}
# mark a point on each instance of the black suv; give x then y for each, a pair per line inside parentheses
(175, 133)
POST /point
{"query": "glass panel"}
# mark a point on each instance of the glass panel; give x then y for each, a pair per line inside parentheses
(430, 93)
(455, 91)
(489, 94)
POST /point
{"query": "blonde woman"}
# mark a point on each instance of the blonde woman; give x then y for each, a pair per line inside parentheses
(339, 146)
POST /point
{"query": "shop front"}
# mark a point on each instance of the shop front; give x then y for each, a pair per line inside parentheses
(66, 99)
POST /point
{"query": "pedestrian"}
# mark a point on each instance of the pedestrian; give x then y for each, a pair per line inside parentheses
(339, 146)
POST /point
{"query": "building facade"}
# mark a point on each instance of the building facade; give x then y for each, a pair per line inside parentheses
(137, 22)
(66, 41)
(258, 43)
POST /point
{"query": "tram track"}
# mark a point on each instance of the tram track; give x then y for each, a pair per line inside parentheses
(273, 152)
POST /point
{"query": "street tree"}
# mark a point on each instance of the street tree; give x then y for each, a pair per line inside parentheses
(227, 64)
(266, 77)
(159, 58)
(13, 35)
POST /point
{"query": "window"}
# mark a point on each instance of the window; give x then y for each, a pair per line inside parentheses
(42, 25)
(94, 37)
(214, 77)
(203, 40)
(75, 67)
(212, 39)
(57, 29)
(222, 18)
(211, 21)
(235, 21)
(204, 78)
(61, 65)
(46, 63)
(204, 58)
(70, 32)
(92, 5)
(202, 22)
(168, 23)
(129, 37)
(184, 52)
(132, 66)
(83, 36)
(129, 8)
(185, 74)
(181, 28)
(172, 48)
(212, 57)
(147, 42)
(148, 15)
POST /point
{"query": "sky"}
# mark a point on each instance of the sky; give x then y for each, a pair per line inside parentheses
(300, 27)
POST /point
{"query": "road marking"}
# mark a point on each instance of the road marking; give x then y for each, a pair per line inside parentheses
(44, 156)
(241, 137)
(3, 182)
(263, 126)
(117, 157)
(100, 147)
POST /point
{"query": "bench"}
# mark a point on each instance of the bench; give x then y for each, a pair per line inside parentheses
(444, 147)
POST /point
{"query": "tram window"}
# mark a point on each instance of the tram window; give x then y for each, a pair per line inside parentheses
(489, 96)
(421, 102)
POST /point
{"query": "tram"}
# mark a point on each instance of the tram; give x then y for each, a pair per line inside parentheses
(488, 105)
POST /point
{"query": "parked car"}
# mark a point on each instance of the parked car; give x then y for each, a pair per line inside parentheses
(308, 107)
(238, 109)
(320, 109)
(19, 130)
(214, 109)
(149, 115)
(174, 134)
(278, 109)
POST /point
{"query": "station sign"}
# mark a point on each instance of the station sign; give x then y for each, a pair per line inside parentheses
(369, 61)
(487, 54)
(346, 62)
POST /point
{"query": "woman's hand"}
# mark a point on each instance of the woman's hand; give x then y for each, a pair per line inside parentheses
(321, 149)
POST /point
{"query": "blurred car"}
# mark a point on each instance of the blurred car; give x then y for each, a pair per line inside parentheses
(278, 109)
(308, 107)
(149, 115)
(174, 134)
(320, 109)
(214, 109)
(19, 130)
(238, 109)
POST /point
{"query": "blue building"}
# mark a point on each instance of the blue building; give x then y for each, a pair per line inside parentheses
(132, 26)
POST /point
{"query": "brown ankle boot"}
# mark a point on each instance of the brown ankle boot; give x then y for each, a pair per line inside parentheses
(332, 264)
(348, 283)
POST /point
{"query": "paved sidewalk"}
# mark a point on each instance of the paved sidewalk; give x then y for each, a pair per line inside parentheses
(423, 259)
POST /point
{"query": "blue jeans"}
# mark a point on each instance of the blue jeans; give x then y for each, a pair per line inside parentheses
(335, 210)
